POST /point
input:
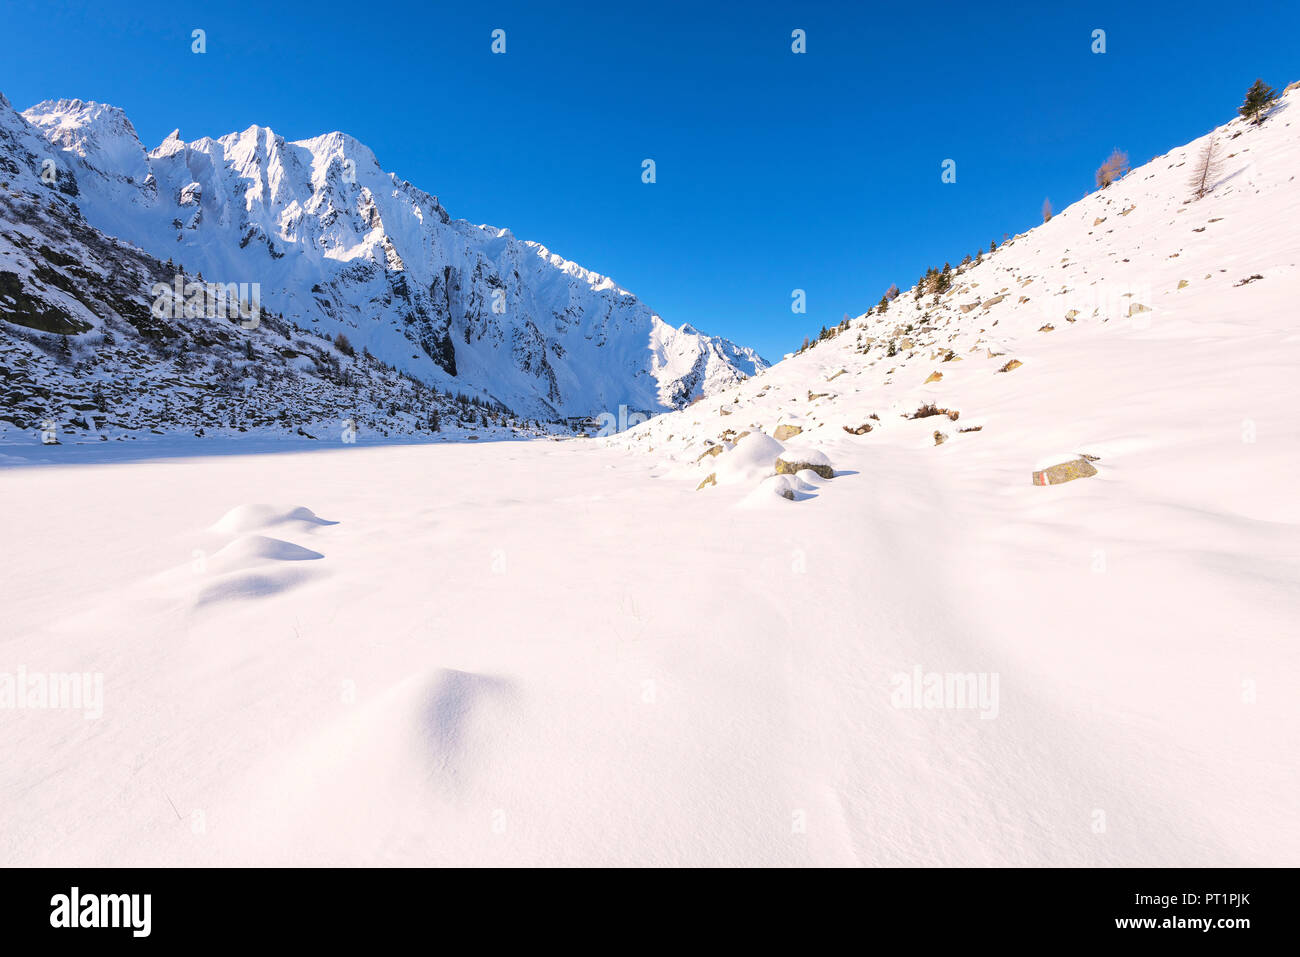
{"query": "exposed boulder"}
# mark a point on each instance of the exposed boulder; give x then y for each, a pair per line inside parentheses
(792, 461)
(784, 432)
(1065, 471)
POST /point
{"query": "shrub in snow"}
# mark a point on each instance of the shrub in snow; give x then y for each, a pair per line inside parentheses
(1114, 167)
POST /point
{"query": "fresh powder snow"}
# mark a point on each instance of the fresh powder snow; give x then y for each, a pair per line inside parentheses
(907, 651)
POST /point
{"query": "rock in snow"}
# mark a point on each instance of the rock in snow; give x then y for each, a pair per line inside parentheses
(1065, 472)
(796, 460)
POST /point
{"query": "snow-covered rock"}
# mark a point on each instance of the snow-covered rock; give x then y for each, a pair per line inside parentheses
(793, 461)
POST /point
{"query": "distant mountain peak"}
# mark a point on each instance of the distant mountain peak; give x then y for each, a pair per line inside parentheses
(339, 245)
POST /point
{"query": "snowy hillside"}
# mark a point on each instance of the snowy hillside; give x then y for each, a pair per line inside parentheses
(1137, 325)
(664, 648)
(338, 245)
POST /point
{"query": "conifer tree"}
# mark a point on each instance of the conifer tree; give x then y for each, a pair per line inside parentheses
(1258, 99)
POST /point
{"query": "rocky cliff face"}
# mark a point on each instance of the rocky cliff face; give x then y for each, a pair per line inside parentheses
(338, 245)
(90, 349)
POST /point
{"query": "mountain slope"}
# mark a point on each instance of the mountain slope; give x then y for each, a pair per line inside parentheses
(84, 354)
(339, 245)
(1140, 322)
(1139, 622)
(722, 676)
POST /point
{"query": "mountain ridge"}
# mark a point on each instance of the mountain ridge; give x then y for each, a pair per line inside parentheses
(338, 245)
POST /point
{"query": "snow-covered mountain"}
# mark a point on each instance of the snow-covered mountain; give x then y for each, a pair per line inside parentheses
(338, 245)
(565, 653)
(1140, 324)
(85, 355)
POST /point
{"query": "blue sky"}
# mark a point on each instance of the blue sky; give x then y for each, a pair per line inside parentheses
(775, 171)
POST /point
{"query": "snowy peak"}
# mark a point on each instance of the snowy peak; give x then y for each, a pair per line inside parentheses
(341, 246)
(27, 160)
(101, 135)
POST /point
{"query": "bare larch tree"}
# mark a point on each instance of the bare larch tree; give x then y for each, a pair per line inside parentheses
(1207, 170)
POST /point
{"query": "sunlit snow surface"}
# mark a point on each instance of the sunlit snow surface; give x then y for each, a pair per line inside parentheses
(561, 652)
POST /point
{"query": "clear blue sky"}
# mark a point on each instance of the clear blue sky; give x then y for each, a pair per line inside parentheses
(776, 171)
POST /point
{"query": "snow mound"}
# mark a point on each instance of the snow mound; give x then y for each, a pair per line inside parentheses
(454, 712)
(264, 584)
(248, 518)
(248, 549)
(751, 458)
(806, 456)
(776, 488)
